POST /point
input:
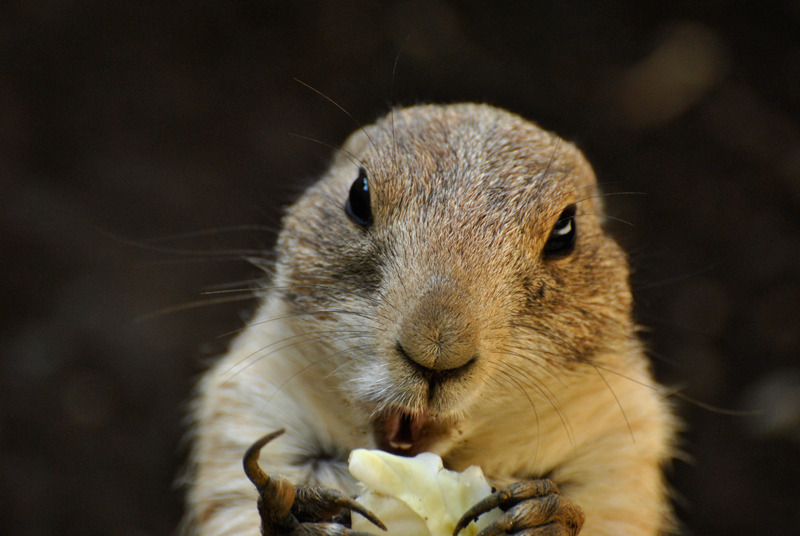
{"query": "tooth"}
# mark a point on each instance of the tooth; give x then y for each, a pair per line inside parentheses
(401, 446)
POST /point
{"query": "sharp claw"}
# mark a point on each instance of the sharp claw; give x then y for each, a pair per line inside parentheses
(463, 522)
(356, 507)
(481, 507)
(316, 503)
(250, 460)
(275, 495)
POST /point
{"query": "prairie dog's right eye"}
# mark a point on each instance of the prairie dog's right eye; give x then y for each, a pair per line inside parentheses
(358, 206)
(561, 241)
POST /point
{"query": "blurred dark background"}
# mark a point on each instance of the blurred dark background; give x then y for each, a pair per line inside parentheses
(129, 128)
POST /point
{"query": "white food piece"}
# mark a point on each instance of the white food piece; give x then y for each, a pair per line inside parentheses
(417, 496)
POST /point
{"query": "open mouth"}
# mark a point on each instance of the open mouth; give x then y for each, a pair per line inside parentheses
(403, 433)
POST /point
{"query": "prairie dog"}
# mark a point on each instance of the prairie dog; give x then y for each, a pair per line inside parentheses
(446, 286)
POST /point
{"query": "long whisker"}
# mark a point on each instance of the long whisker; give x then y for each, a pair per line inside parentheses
(609, 194)
(309, 337)
(305, 368)
(605, 217)
(350, 156)
(300, 314)
(192, 305)
(549, 396)
(552, 158)
(677, 279)
(211, 232)
(391, 114)
(535, 412)
(514, 374)
(619, 404)
(340, 107)
(148, 245)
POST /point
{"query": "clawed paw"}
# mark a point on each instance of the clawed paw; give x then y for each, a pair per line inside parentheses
(530, 508)
(299, 510)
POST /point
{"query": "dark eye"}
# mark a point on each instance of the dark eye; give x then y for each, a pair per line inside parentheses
(358, 207)
(562, 238)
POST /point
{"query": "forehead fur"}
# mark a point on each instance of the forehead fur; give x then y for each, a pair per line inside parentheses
(424, 157)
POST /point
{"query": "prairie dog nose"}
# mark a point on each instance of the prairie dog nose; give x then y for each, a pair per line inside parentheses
(439, 333)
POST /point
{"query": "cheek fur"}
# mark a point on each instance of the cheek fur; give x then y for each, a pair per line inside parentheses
(371, 382)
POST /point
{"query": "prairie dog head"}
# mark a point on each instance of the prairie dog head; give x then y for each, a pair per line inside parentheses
(449, 253)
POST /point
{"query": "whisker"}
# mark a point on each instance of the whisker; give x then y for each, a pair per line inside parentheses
(198, 259)
(552, 158)
(258, 355)
(350, 156)
(251, 290)
(532, 360)
(547, 395)
(567, 356)
(677, 279)
(340, 107)
(191, 305)
(210, 232)
(148, 245)
(535, 413)
(301, 314)
(619, 404)
(335, 290)
(391, 114)
(609, 194)
(650, 386)
(606, 217)
(322, 359)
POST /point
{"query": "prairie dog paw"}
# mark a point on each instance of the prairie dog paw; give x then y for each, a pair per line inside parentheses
(299, 510)
(530, 508)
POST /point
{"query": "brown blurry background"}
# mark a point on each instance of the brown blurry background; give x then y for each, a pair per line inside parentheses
(128, 127)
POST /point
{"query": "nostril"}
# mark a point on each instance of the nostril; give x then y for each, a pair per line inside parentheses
(453, 353)
(435, 374)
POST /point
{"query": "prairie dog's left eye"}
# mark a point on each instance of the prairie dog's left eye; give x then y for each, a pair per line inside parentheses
(358, 206)
(562, 238)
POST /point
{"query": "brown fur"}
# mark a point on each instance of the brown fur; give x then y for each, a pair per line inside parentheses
(556, 384)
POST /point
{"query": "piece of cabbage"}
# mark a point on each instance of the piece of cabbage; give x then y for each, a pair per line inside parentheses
(417, 496)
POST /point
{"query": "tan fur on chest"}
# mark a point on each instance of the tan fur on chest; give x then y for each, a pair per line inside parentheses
(471, 306)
